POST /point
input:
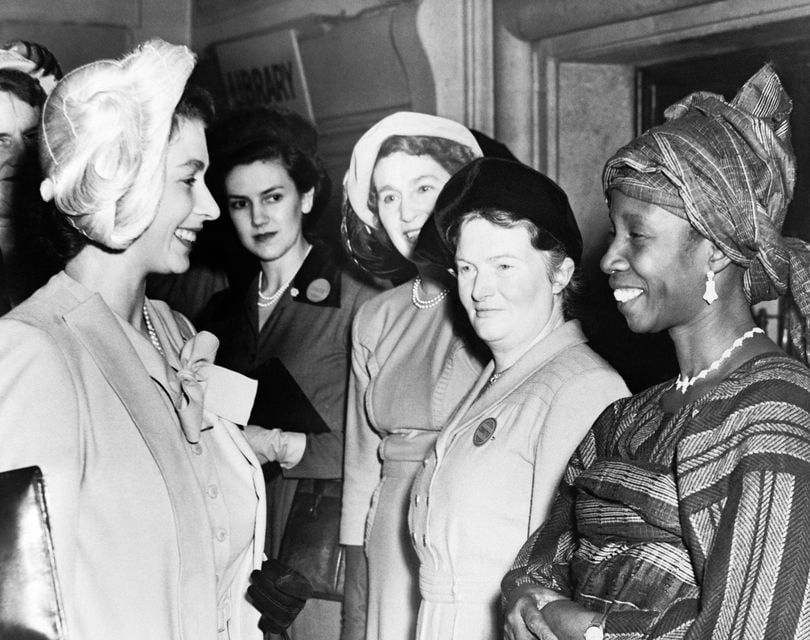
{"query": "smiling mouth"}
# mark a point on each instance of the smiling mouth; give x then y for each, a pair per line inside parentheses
(186, 236)
(626, 294)
(412, 235)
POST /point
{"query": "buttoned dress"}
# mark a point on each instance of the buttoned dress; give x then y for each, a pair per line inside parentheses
(410, 369)
(492, 475)
(154, 535)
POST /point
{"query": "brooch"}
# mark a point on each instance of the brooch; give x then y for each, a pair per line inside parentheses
(484, 432)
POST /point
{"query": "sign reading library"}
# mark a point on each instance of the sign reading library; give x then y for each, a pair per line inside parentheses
(265, 70)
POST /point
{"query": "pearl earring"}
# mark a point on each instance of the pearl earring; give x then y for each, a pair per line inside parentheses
(710, 294)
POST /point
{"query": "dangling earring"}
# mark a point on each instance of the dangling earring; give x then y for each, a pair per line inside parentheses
(710, 295)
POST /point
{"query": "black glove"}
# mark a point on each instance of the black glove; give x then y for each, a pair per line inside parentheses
(279, 593)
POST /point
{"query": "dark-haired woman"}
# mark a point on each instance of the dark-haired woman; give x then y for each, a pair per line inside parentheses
(291, 328)
(156, 500)
(411, 360)
(495, 467)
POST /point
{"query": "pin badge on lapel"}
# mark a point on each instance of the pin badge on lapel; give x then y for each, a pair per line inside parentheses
(318, 290)
(484, 432)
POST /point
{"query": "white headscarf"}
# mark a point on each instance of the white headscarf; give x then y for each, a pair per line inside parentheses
(357, 181)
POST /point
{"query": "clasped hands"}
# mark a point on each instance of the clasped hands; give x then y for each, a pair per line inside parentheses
(537, 613)
(523, 619)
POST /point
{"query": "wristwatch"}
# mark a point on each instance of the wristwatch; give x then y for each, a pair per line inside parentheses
(596, 630)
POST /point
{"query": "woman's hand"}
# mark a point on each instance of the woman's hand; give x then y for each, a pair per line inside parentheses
(279, 593)
(275, 445)
(523, 619)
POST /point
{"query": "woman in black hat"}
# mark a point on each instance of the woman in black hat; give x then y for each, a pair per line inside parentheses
(492, 476)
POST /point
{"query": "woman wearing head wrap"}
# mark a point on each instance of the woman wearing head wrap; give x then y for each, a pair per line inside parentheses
(410, 361)
(682, 514)
(156, 499)
(495, 467)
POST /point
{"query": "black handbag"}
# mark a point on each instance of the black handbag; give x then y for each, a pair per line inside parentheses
(30, 602)
(311, 542)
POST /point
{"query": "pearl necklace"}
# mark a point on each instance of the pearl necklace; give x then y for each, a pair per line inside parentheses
(150, 329)
(268, 301)
(425, 304)
(683, 383)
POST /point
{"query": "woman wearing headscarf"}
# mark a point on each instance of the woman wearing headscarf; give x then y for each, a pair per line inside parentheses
(682, 514)
(411, 360)
(156, 499)
(494, 470)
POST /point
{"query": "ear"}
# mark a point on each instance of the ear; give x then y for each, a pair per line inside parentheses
(718, 260)
(306, 201)
(562, 275)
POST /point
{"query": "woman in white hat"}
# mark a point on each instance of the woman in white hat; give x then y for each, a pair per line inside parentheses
(156, 499)
(411, 362)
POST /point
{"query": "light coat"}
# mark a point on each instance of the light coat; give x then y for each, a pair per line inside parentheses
(492, 476)
(133, 544)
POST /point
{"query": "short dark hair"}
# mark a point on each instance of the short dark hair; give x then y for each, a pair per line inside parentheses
(22, 86)
(195, 103)
(269, 134)
(539, 239)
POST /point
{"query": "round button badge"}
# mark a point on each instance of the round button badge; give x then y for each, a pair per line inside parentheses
(318, 290)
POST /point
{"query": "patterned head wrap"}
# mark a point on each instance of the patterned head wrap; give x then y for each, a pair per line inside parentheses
(105, 135)
(729, 170)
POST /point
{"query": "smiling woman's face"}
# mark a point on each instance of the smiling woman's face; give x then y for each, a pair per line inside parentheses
(407, 187)
(507, 286)
(657, 265)
(184, 206)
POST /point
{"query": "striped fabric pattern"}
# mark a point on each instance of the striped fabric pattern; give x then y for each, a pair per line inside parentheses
(689, 525)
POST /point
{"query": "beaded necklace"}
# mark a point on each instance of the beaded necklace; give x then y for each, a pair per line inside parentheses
(683, 383)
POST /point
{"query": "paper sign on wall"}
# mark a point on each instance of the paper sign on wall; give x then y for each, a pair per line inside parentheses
(265, 70)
